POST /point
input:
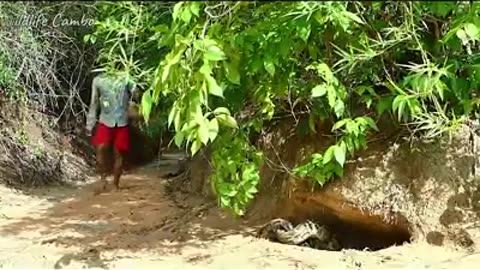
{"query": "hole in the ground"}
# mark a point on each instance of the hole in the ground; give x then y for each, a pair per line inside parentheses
(353, 235)
(353, 228)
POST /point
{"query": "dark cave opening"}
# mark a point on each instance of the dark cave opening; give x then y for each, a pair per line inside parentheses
(353, 228)
(358, 236)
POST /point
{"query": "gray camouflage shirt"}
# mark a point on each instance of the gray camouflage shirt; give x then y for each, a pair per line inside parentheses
(114, 95)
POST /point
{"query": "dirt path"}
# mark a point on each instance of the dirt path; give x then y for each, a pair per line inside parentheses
(143, 226)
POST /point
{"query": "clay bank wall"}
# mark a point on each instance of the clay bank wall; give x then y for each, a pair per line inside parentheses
(398, 188)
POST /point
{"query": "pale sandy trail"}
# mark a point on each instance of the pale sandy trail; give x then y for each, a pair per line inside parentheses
(142, 227)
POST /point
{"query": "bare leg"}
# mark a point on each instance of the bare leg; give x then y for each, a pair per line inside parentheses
(102, 167)
(117, 168)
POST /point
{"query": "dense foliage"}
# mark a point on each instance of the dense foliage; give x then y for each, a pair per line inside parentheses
(43, 69)
(43, 63)
(221, 71)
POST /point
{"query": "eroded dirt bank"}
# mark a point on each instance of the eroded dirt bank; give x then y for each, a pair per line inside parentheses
(394, 191)
(149, 225)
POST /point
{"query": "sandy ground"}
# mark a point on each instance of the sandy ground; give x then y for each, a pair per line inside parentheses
(143, 226)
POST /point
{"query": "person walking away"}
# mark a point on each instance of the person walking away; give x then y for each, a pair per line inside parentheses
(113, 95)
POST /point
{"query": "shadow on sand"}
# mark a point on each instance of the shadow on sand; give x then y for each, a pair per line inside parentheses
(140, 216)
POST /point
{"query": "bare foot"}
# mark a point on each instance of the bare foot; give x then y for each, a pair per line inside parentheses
(102, 187)
(116, 188)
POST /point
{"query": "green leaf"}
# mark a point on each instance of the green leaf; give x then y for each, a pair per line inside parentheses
(340, 155)
(343, 145)
(213, 129)
(171, 115)
(195, 8)
(338, 170)
(401, 106)
(146, 105)
(269, 67)
(365, 89)
(227, 120)
(323, 71)
(214, 53)
(247, 173)
(186, 16)
(331, 96)
(339, 108)
(397, 102)
(189, 131)
(320, 17)
(161, 28)
(304, 32)
(362, 141)
(226, 189)
(252, 190)
(198, 44)
(176, 121)
(320, 179)
(355, 143)
(86, 38)
(207, 42)
(284, 49)
(440, 9)
(354, 17)
(89, 37)
(196, 145)
(231, 71)
(352, 128)
(179, 137)
(319, 90)
(384, 104)
(176, 10)
(462, 36)
(349, 143)
(312, 51)
(371, 123)
(225, 201)
(368, 101)
(203, 132)
(213, 87)
(340, 123)
(316, 157)
(171, 59)
(166, 72)
(255, 65)
(377, 6)
(471, 30)
(221, 110)
(206, 69)
(328, 154)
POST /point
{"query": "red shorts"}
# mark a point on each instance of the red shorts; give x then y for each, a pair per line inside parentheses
(120, 136)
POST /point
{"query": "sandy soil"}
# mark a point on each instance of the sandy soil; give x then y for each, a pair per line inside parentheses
(144, 226)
